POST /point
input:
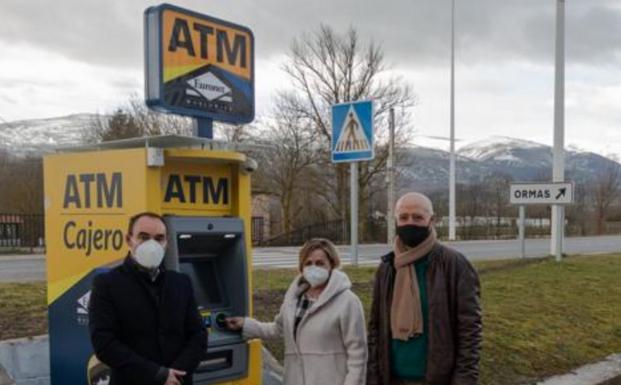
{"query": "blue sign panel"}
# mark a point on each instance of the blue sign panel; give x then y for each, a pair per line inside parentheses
(352, 132)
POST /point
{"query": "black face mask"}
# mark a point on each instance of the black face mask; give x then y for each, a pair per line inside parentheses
(412, 235)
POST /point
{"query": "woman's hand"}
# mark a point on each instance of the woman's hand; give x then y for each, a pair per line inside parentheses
(234, 323)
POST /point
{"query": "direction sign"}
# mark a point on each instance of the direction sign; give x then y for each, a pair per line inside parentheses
(197, 65)
(542, 193)
(352, 131)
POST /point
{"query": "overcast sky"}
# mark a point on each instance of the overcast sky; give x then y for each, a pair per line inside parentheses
(72, 56)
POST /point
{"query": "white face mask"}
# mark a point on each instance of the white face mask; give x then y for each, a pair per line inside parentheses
(315, 275)
(149, 254)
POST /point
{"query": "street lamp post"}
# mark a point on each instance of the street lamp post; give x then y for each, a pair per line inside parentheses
(558, 171)
(452, 160)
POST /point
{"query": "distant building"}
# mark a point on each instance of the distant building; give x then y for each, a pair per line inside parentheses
(11, 229)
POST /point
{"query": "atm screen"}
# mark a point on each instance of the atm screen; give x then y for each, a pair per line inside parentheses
(204, 279)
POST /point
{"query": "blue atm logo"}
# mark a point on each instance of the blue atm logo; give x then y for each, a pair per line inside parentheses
(352, 132)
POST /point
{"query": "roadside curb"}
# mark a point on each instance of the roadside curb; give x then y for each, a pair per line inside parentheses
(5, 378)
(22, 257)
(606, 372)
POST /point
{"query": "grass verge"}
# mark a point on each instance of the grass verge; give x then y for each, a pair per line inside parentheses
(540, 318)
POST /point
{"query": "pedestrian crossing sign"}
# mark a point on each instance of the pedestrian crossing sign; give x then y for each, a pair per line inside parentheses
(352, 132)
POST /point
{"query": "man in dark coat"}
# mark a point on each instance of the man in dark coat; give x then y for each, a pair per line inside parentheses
(425, 322)
(143, 319)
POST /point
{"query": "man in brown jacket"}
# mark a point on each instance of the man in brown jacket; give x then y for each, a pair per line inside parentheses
(425, 323)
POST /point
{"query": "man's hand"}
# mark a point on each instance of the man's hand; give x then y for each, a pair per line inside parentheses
(234, 323)
(175, 377)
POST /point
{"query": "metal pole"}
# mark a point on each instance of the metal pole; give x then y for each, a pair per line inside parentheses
(452, 161)
(353, 167)
(390, 175)
(203, 128)
(523, 230)
(558, 172)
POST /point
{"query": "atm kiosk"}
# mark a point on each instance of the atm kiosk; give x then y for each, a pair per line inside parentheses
(202, 192)
(211, 251)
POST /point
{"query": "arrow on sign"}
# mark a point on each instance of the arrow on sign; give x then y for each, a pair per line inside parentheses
(561, 193)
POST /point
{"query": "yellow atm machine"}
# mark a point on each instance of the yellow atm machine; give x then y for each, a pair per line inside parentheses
(204, 196)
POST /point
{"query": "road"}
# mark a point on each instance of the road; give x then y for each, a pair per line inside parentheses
(21, 268)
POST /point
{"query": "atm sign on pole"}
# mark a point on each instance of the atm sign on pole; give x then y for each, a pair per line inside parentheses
(542, 193)
(199, 66)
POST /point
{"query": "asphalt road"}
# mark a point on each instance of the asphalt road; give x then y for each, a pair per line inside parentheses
(22, 268)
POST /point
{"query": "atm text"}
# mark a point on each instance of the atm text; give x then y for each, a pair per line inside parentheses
(197, 189)
(181, 38)
(96, 191)
(89, 238)
(524, 194)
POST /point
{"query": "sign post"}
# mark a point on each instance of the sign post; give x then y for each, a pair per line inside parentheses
(523, 231)
(556, 194)
(353, 225)
(352, 141)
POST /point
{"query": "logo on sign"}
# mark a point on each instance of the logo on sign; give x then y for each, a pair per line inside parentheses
(352, 136)
(83, 303)
(82, 309)
(209, 87)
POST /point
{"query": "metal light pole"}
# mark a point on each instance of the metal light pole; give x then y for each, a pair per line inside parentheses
(390, 176)
(452, 161)
(558, 172)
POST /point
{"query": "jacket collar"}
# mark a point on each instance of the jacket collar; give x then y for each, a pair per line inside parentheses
(132, 266)
(338, 283)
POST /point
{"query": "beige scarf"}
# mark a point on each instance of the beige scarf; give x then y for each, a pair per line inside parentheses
(406, 315)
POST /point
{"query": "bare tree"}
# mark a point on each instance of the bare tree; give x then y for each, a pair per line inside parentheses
(605, 190)
(327, 68)
(4, 178)
(579, 213)
(236, 133)
(498, 185)
(22, 190)
(133, 120)
(471, 205)
(285, 163)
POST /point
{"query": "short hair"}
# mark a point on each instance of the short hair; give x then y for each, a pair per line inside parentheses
(423, 199)
(134, 219)
(319, 244)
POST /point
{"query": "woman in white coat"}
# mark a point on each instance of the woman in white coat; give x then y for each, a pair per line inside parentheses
(321, 320)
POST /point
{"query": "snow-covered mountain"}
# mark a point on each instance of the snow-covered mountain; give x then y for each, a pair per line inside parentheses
(421, 166)
(498, 147)
(41, 135)
(520, 160)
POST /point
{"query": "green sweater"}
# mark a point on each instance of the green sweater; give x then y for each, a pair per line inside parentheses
(409, 358)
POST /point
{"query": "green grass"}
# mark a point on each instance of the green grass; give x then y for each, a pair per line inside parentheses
(23, 310)
(547, 318)
(540, 317)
